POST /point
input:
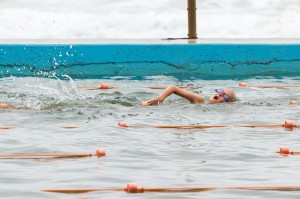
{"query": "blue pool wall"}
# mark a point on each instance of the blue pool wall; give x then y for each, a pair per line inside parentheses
(183, 59)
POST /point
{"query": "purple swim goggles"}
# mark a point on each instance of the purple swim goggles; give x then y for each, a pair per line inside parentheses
(224, 95)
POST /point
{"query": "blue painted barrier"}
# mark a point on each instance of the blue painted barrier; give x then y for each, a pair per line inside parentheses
(175, 58)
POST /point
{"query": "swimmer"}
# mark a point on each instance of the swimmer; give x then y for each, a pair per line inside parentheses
(220, 96)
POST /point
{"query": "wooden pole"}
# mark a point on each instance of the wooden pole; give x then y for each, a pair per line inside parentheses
(192, 19)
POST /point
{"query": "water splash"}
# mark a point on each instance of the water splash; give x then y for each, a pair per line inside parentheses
(68, 88)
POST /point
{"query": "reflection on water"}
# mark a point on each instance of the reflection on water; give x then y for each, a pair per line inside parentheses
(150, 157)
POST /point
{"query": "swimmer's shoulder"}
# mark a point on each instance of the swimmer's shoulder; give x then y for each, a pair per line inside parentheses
(198, 100)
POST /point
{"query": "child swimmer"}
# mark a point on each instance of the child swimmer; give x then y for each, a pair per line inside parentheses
(221, 96)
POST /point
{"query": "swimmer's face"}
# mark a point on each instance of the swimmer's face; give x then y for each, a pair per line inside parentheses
(222, 95)
(216, 98)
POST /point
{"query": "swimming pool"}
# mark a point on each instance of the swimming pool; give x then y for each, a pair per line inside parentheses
(150, 157)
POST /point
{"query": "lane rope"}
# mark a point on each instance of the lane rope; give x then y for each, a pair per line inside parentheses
(12, 127)
(6, 127)
(99, 153)
(106, 86)
(124, 124)
(287, 124)
(243, 84)
(133, 188)
(6, 106)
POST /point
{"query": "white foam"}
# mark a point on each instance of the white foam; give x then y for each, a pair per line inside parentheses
(73, 19)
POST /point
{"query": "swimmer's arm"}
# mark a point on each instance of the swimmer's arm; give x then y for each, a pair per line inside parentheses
(192, 97)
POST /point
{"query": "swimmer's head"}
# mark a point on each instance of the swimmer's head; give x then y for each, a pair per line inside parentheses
(222, 95)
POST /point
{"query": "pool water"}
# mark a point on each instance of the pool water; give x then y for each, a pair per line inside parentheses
(150, 157)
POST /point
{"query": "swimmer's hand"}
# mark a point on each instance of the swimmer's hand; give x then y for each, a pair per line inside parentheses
(154, 102)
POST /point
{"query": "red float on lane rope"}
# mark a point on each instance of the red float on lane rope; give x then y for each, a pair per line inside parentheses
(4, 106)
(6, 127)
(103, 86)
(132, 188)
(285, 151)
(100, 153)
(242, 84)
(288, 124)
(122, 124)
